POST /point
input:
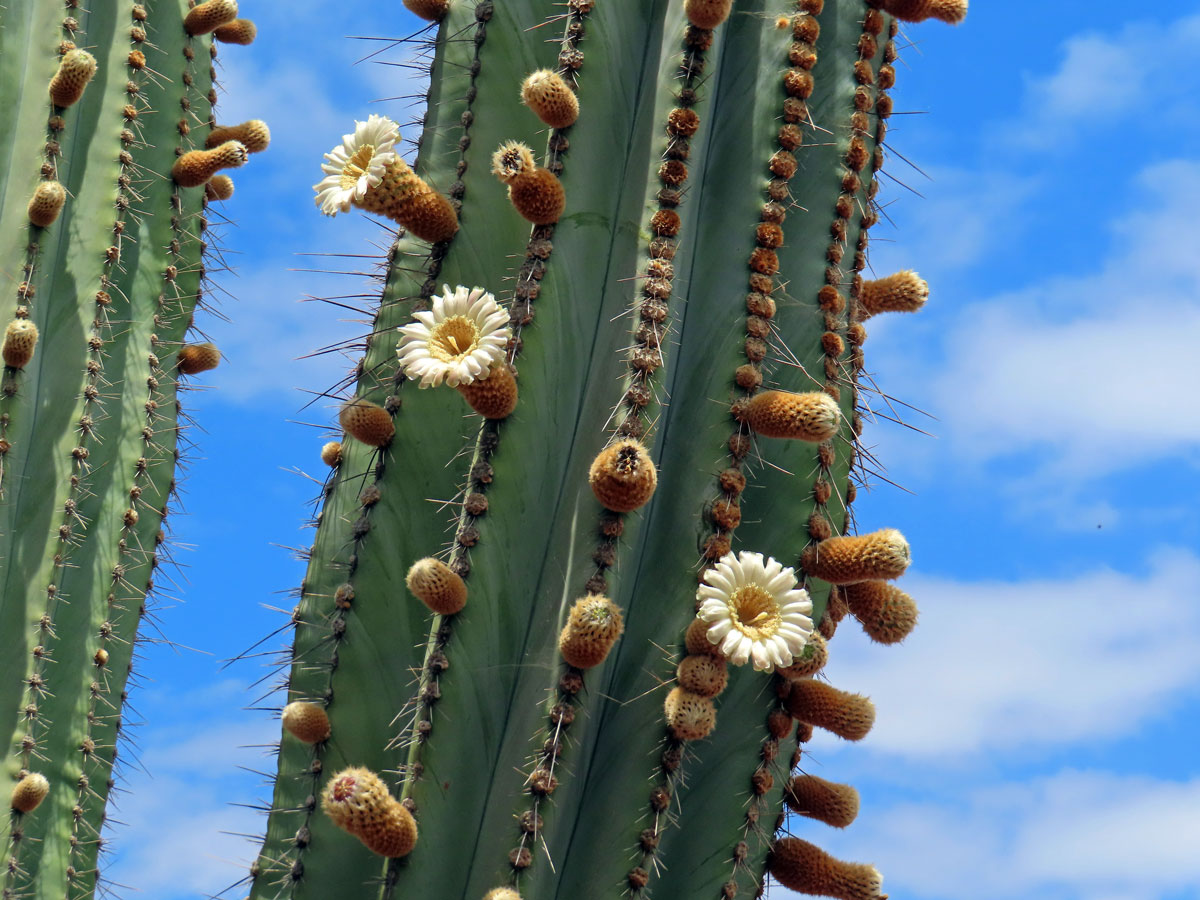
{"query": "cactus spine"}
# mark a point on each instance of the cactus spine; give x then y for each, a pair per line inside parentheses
(105, 256)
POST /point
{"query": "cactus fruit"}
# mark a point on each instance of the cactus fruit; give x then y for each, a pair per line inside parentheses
(29, 792)
(803, 867)
(105, 261)
(433, 583)
(881, 554)
(672, 217)
(20, 339)
(306, 722)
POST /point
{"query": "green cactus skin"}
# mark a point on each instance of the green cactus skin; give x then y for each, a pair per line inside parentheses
(89, 426)
(454, 713)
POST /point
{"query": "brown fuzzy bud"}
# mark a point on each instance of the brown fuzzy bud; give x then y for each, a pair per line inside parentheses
(951, 11)
(779, 723)
(494, 397)
(46, 203)
(690, 717)
(887, 614)
(367, 422)
(902, 292)
(550, 98)
(196, 358)
(592, 629)
(219, 187)
(196, 167)
(811, 660)
(812, 416)
(430, 10)
(849, 716)
(75, 70)
(827, 801)
(801, 866)
(707, 14)
(207, 17)
(623, 476)
(20, 339)
(702, 674)
(254, 135)
(538, 196)
(331, 453)
(696, 640)
(29, 792)
(665, 223)
(433, 583)
(881, 554)
(239, 31)
(307, 722)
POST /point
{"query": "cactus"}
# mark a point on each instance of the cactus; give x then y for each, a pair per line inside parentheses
(104, 265)
(690, 229)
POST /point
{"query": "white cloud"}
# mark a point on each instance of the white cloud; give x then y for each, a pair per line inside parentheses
(1072, 836)
(1078, 377)
(995, 667)
(1102, 78)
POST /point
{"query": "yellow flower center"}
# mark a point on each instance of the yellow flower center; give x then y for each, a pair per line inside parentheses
(453, 338)
(755, 612)
(356, 166)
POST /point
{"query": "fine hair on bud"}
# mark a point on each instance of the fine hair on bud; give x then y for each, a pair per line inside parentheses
(707, 14)
(690, 717)
(254, 135)
(551, 98)
(239, 31)
(511, 160)
(878, 556)
(696, 640)
(306, 722)
(494, 397)
(826, 801)
(812, 416)
(207, 17)
(904, 291)
(219, 187)
(367, 422)
(951, 11)
(20, 340)
(502, 893)
(75, 70)
(29, 792)
(886, 613)
(849, 716)
(331, 453)
(437, 586)
(195, 167)
(46, 203)
(429, 10)
(804, 867)
(196, 358)
(593, 627)
(623, 476)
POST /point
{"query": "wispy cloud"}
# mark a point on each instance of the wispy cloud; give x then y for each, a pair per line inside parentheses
(994, 666)
(1072, 836)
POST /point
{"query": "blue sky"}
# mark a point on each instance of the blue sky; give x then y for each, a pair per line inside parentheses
(1035, 733)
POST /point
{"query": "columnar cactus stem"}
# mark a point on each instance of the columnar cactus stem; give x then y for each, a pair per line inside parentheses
(89, 425)
(722, 164)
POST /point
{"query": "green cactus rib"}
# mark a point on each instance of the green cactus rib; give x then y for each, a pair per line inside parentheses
(91, 425)
(466, 783)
